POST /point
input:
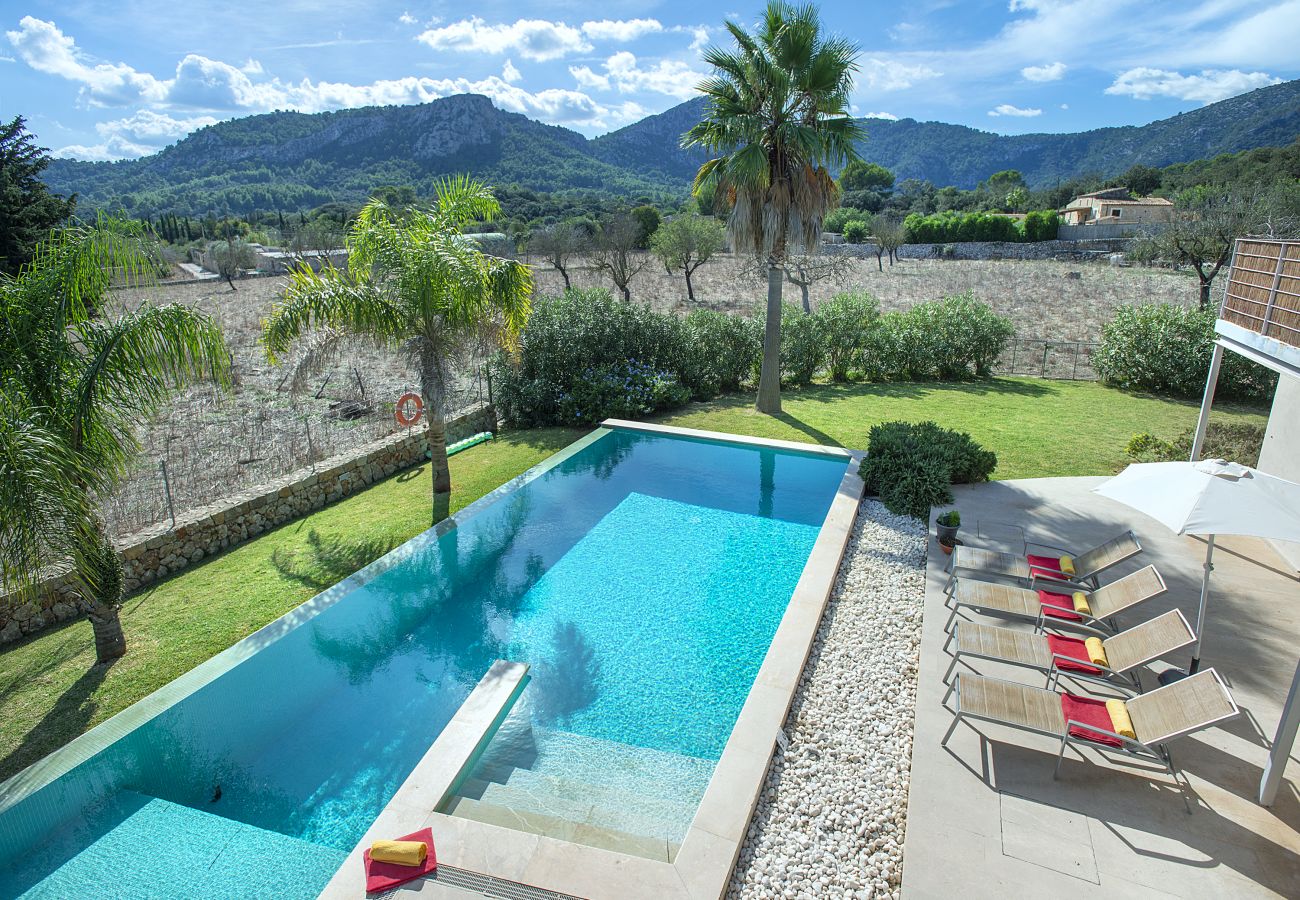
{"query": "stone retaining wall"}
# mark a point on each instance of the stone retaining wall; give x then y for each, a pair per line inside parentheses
(150, 555)
(1066, 250)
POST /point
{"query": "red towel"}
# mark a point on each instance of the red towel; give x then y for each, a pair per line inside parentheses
(1059, 606)
(380, 876)
(1088, 711)
(1045, 565)
(1074, 648)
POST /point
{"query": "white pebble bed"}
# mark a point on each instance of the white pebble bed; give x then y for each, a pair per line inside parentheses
(831, 817)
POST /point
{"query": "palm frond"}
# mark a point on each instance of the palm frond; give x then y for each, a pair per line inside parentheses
(330, 299)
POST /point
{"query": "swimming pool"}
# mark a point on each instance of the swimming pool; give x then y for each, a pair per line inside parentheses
(642, 577)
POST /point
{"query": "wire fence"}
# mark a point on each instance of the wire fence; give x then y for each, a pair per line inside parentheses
(212, 445)
(1046, 358)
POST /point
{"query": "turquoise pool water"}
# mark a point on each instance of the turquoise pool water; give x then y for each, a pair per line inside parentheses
(642, 578)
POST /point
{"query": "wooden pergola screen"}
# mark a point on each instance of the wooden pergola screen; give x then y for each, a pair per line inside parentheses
(1263, 292)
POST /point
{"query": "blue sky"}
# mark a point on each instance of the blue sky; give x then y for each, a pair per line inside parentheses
(99, 80)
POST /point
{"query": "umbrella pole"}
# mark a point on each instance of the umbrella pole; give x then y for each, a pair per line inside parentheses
(1200, 613)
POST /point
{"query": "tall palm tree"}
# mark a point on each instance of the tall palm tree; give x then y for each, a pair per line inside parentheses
(777, 115)
(414, 282)
(75, 384)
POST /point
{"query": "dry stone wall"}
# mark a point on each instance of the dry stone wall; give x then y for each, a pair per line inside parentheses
(150, 555)
(1063, 250)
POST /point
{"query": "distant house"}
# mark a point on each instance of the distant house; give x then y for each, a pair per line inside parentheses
(1116, 206)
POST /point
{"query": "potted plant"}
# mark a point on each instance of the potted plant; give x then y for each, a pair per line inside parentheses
(946, 525)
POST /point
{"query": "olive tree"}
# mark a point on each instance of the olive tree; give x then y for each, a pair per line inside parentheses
(687, 242)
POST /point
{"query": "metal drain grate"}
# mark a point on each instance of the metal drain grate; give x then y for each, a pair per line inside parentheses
(491, 886)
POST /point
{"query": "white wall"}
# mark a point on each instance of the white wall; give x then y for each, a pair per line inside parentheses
(1280, 454)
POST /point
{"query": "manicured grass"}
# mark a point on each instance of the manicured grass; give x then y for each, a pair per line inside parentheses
(50, 691)
(1037, 428)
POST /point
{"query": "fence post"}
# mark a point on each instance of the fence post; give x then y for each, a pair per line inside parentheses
(1042, 370)
(1015, 348)
(1078, 348)
(167, 489)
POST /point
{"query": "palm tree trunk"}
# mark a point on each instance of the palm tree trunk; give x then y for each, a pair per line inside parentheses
(769, 378)
(102, 598)
(436, 431)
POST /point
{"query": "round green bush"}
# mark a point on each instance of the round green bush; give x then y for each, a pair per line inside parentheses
(846, 321)
(803, 348)
(856, 232)
(1166, 348)
(911, 465)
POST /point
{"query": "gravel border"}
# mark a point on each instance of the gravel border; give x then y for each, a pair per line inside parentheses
(831, 817)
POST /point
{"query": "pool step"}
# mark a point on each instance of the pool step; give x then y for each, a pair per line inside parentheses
(590, 783)
(144, 846)
(551, 826)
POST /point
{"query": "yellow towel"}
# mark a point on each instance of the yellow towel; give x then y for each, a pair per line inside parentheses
(1096, 652)
(1081, 603)
(403, 853)
(1067, 565)
(1119, 720)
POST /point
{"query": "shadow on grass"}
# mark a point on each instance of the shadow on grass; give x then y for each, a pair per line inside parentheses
(324, 562)
(67, 718)
(816, 434)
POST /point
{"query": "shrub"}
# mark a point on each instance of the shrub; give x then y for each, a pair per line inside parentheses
(626, 390)
(802, 347)
(950, 338)
(911, 466)
(840, 217)
(856, 232)
(1235, 442)
(950, 519)
(1166, 349)
(723, 351)
(846, 321)
(1041, 225)
(955, 226)
(578, 333)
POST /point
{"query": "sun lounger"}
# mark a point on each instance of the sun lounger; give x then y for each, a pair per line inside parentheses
(1055, 655)
(1047, 567)
(1044, 606)
(1156, 718)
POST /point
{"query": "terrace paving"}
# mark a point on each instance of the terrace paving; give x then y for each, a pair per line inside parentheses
(986, 818)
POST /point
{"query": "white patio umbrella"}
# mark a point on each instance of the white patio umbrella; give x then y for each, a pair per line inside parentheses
(1209, 497)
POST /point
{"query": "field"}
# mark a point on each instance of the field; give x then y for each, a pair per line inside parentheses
(50, 691)
(215, 444)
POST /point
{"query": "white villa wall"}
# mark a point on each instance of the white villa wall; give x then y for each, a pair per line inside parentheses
(1280, 454)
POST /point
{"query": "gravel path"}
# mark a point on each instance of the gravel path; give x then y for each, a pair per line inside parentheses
(831, 818)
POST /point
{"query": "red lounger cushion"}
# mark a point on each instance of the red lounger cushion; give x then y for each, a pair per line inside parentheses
(380, 876)
(1059, 606)
(1088, 711)
(1074, 648)
(1045, 565)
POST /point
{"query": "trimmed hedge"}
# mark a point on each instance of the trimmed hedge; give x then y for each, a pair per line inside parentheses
(911, 466)
(1166, 348)
(952, 226)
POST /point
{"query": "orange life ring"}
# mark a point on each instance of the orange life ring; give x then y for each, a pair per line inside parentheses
(409, 409)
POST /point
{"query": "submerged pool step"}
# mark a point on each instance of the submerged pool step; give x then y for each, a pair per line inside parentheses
(144, 846)
(591, 783)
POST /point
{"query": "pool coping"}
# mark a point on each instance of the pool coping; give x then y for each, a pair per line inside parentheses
(707, 856)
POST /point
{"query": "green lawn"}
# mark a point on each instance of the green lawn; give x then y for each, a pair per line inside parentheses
(50, 691)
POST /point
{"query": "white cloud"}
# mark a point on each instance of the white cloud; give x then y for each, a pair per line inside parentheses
(252, 67)
(509, 73)
(625, 74)
(114, 148)
(1051, 72)
(892, 75)
(5, 59)
(1006, 109)
(880, 115)
(533, 39)
(621, 30)
(699, 36)
(147, 127)
(46, 49)
(203, 83)
(1144, 83)
(407, 19)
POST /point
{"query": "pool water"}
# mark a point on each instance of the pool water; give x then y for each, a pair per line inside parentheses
(642, 578)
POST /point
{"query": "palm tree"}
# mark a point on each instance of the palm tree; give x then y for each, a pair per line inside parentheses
(777, 114)
(414, 282)
(75, 384)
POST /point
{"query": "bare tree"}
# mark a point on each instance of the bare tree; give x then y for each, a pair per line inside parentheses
(557, 244)
(1206, 224)
(616, 254)
(803, 271)
(318, 239)
(231, 258)
(889, 236)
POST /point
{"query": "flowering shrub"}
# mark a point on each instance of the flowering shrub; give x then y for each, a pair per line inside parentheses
(627, 390)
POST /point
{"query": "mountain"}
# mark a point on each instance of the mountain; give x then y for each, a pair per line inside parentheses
(961, 156)
(292, 161)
